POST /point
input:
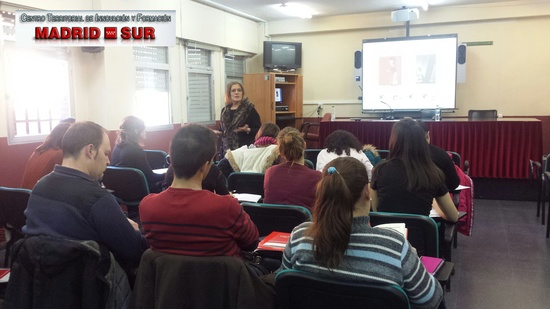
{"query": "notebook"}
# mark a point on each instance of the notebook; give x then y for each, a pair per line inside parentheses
(398, 227)
(276, 241)
(432, 264)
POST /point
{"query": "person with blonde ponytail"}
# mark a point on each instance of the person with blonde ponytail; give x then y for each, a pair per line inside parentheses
(291, 182)
(341, 244)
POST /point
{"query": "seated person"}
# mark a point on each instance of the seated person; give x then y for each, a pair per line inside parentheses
(257, 157)
(442, 160)
(341, 143)
(187, 220)
(214, 181)
(291, 182)
(408, 180)
(45, 157)
(70, 203)
(128, 151)
(340, 243)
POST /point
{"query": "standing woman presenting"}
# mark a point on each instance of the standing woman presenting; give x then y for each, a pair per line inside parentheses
(239, 119)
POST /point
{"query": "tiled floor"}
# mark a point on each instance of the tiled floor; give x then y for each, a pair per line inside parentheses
(506, 261)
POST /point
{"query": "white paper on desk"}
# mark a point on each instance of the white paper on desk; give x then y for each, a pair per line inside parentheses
(461, 187)
(247, 197)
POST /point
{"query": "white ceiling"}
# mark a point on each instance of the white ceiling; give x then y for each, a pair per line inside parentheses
(267, 9)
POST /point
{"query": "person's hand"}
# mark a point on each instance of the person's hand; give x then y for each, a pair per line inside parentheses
(134, 224)
(244, 128)
(218, 132)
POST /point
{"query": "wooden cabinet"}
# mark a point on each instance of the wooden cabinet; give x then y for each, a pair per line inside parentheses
(260, 90)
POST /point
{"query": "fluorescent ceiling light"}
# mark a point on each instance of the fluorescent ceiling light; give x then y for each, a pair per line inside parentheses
(295, 10)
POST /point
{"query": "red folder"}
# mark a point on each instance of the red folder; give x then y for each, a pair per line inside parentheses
(276, 241)
(432, 264)
(4, 272)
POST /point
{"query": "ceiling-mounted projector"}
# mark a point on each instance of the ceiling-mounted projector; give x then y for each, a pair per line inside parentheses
(405, 14)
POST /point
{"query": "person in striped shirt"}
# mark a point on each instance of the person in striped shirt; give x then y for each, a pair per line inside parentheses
(341, 244)
(186, 220)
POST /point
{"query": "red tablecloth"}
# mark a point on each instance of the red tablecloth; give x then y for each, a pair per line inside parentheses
(495, 149)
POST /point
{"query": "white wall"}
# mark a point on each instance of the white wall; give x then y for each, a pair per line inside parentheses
(511, 75)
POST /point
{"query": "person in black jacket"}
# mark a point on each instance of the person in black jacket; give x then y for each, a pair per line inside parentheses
(128, 151)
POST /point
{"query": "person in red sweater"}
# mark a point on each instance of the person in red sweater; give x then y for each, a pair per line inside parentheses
(185, 219)
(291, 182)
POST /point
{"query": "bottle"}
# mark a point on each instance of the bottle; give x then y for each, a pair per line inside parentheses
(437, 116)
(333, 115)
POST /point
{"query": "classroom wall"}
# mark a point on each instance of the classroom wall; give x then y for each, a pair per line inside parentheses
(511, 75)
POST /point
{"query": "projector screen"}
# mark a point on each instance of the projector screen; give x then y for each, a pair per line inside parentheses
(409, 74)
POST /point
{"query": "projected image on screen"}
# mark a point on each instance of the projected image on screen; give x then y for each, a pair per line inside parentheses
(425, 72)
(390, 71)
(411, 73)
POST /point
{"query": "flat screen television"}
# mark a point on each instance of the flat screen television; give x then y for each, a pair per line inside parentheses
(409, 73)
(282, 55)
(278, 95)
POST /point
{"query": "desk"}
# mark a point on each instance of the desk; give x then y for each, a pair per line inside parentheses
(495, 149)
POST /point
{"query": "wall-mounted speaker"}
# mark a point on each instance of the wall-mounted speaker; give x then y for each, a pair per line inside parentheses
(461, 64)
(358, 66)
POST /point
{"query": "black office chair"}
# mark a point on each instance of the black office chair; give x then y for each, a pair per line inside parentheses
(545, 184)
(157, 159)
(128, 184)
(13, 202)
(310, 131)
(422, 231)
(457, 159)
(276, 217)
(299, 290)
(482, 114)
(535, 177)
(244, 182)
(311, 155)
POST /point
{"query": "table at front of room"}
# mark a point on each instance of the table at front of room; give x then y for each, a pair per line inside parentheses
(495, 149)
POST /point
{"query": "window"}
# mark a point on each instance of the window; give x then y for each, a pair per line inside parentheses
(37, 83)
(200, 107)
(234, 68)
(152, 85)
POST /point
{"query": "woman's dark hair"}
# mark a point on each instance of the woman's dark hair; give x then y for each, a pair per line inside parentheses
(192, 146)
(53, 141)
(291, 144)
(130, 130)
(341, 141)
(228, 91)
(408, 144)
(268, 129)
(336, 196)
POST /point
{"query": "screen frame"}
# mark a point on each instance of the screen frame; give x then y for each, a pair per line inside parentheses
(374, 96)
(268, 56)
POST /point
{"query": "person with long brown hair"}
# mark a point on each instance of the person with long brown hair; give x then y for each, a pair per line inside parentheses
(408, 180)
(291, 182)
(45, 157)
(239, 119)
(341, 244)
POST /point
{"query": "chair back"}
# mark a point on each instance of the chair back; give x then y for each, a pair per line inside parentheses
(246, 182)
(457, 159)
(157, 159)
(276, 217)
(309, 164)
(298, 290)
(13, 202)
(201, 282)
(311, 155)
(422, 231)
(129, 184)
(482, 114)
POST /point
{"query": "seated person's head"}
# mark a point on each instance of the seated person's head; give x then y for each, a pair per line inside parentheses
(131, 130)
(53, 141)
(341, 193)
(192, 149)
(86, 145)
(424, 127)
(341, 141)
(408, 139)
(268, 129)
(291, 144)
